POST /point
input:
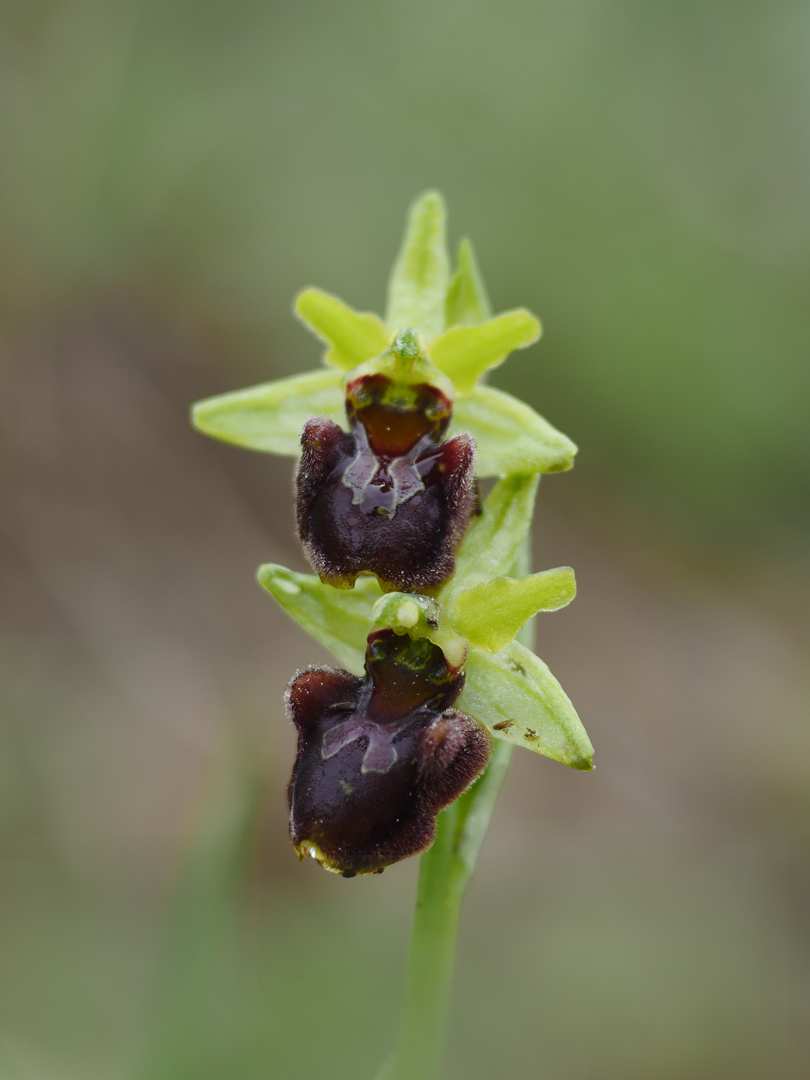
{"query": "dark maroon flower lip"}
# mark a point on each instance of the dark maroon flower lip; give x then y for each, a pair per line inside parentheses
(380, 756)
(389, 497)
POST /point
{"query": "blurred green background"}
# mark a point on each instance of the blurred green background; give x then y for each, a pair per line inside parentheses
(170, 175)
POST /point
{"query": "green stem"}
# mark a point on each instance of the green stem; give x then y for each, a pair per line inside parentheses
(430, 967)
(444, 873)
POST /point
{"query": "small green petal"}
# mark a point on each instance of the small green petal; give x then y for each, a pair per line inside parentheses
(418, 282)
(270, 416)
(339, 618)
(514, 694)
(352, 336)
(464, 353)
(467, 303)
(491, 614)
(494, 539)
(510, 436)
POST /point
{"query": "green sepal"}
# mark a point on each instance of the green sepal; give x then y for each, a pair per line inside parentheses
(494, 539)
(464, 353)
(514, 694)
(467, 303)
(510, 436)
(352, 336)
(490, 615)
(270, 416)
(418, 284)
(339, 618)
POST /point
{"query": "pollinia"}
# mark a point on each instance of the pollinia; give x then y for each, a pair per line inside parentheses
(414, 590)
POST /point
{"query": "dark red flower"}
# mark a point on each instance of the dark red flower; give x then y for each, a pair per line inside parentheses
(379, 757)
(388, 497)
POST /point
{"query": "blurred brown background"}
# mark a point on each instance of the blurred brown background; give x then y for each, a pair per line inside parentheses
(170, 175)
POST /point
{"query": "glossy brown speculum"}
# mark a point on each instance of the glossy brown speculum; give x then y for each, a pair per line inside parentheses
(394, 423)
(379, 757)
(388, 497)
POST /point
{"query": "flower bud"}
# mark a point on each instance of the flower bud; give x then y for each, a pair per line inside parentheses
(379, 757)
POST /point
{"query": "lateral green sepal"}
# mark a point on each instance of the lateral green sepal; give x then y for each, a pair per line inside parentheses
(467, 303)
(464, 353)
(514, 694)
(510, 436)
(270, 416)
(490, 614)
(352, 336)
(418, 284)
(339, 618)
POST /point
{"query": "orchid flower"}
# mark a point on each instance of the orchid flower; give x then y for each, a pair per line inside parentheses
(451, 314)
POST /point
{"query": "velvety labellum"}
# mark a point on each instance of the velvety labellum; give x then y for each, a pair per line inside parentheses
(379, 756)
(388, 497)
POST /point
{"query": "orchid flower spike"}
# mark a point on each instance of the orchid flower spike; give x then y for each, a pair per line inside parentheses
(419, 590)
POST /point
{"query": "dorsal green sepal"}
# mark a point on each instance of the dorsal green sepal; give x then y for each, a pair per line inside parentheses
(418, 284)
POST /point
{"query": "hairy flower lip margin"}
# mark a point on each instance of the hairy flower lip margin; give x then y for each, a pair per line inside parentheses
(379, 756)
